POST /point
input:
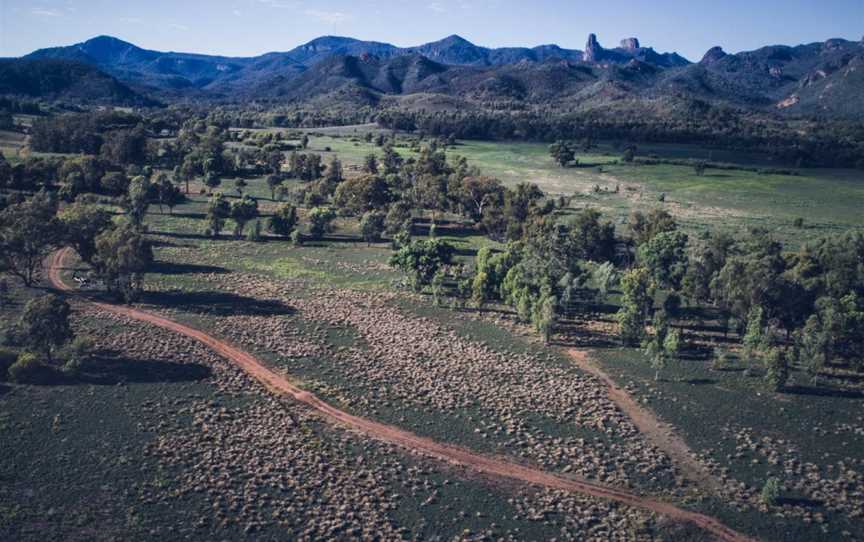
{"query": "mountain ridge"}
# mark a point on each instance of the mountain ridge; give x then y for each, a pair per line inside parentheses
(817, 79)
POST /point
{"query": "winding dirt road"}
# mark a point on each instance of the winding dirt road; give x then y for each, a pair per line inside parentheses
(447, 453)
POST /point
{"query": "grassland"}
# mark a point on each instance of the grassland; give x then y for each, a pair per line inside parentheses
(827, 199)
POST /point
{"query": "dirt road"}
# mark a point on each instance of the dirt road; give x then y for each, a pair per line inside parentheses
(652, 428)
(491, 466)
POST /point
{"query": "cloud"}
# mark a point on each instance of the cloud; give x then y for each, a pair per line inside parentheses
(177, 26)
(329, 17)
(436, 7)
(237, 13)
(45, 12)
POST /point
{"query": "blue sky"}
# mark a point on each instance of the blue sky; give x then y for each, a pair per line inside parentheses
(250, 27)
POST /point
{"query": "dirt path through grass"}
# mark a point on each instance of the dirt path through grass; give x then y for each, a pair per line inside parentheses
(491, 466)
(657, 432)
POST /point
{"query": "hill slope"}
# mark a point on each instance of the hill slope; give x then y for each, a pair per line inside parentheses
(66, 80)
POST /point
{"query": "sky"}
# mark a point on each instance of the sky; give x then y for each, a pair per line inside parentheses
(252, 27)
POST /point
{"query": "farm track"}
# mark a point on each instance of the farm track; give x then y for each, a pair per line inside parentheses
(490, 466)
(655, 431)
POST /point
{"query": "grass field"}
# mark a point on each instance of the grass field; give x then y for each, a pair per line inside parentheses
(827, 199)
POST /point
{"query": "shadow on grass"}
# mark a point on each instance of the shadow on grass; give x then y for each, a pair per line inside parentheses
(800, 501)
(174, 268)
(108, 369)
(823, 392)
(217, 303)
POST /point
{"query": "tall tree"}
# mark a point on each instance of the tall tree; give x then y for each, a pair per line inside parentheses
(28, 232)
(44, 325)
(122, 257)
(81, 223)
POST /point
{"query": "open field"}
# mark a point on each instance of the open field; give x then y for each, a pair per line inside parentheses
(827, 199)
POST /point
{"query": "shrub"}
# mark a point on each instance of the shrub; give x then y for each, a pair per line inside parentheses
(770, 491)
(29, 369)
(8, 357)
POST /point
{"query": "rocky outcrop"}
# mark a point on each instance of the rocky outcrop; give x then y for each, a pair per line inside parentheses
(630, 44)
(713, 55)
(593, 50)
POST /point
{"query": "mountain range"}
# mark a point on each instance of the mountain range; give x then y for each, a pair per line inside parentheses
(822, 79)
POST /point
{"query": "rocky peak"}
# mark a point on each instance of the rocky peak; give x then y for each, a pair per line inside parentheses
(630, 44)
(713, 55)
(592, 49)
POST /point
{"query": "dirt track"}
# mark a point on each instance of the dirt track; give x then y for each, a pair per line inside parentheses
(653, 429)
(491, 466)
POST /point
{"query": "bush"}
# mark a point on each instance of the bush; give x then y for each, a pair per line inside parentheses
(29, 369)
(770, 491)
(8, 357)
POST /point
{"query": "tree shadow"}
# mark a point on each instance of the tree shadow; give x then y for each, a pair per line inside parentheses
(187, 214)
(801, 501)
(169, 244)
(813, 391)
(699, 381)
(107, 369)
(174, 268)
(217, 303)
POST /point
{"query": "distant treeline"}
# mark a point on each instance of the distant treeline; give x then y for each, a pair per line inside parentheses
(820, 144)
(19, 107)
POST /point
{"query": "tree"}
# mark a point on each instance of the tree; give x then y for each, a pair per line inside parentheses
(304, 141)
(114, 183)
(629, 154)
(562, 153)
(168, 193)
(834, 333)
(273, 182)
(543, 316)
(364, 193)
(320, 219)
(370, 164)
(591, 239)
(636, 301)
(475, 193)
(662, 345)
(391, 160)
(44, 325)
(777, 374)
(138, 200)
(335, 173)
(372, 226)
(242, 211)
(437, 287)
(81, 224)
(218, 211)
(754, 275)
(398, 215)
(283, 221)
(212, 180)
(665, 256)
(605, 277)
(770, 492)
(422, 259)
(645, 227)
(122, 257)
(754, 338)
(28, 232)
